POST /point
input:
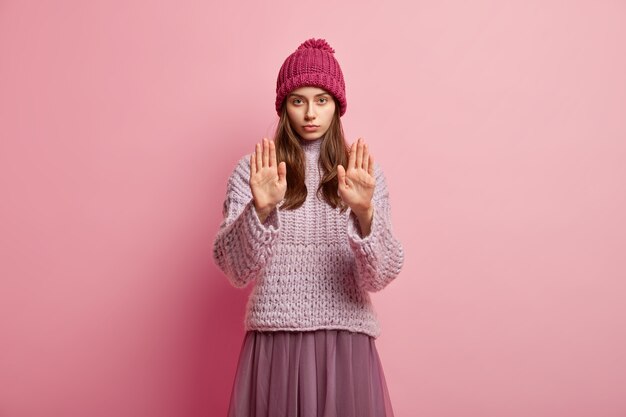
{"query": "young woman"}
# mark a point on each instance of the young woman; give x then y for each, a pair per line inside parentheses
(307, 218)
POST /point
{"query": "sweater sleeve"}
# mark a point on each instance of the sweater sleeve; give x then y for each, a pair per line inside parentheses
(243, 245)
(379, 256)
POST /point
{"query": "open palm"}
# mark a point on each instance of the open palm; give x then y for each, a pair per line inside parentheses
(268, 180)
(357, 183)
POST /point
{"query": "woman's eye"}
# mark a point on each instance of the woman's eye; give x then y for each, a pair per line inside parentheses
(297, 100)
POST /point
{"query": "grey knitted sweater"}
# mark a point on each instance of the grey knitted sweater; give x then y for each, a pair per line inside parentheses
(311, 266)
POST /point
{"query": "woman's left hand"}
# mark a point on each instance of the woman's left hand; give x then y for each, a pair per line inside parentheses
(356, 185)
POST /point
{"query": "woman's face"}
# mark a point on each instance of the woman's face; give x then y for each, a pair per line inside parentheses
(310, 106)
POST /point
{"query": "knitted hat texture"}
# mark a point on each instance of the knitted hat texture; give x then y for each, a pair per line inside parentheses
(312, 64)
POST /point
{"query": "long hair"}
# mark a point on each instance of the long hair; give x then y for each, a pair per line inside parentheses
(333, 151)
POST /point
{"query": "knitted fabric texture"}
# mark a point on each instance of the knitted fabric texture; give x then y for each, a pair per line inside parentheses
(312, 64)
(312, 267)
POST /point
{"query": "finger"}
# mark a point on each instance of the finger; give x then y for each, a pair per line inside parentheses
(371, 166)
(282, 172)
(352, 159)
(359, 153)
(266, 152)
(253, 163)
(341, 176)
(259, 157)
(272, 154)
(366, 157)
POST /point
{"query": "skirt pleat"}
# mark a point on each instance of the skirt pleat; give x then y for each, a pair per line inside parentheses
(321, 373)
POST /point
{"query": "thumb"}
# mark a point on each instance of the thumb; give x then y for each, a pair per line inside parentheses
(282, 172)
(341, 176)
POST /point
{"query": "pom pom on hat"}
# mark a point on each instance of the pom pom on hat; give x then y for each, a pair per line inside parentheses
(316, 43)
(312, 64)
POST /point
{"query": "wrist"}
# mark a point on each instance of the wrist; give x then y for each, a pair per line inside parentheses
(364, 216)
(263, 211)
(364, 212)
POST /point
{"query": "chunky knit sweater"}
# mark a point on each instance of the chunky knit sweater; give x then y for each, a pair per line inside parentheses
(312, 267)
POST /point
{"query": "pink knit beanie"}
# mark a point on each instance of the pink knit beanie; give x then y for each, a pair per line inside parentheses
(312, 64)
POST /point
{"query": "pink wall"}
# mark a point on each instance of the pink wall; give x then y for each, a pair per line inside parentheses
(501, 129)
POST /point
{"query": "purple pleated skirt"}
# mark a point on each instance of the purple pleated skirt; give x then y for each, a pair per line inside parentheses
(321, 373)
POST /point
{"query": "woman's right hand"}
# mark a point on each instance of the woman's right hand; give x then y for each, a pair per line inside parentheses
(268, 180)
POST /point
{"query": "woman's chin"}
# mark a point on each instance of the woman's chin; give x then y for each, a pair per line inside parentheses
(311, 135)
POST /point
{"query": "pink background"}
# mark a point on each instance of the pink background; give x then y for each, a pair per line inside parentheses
(501, 129)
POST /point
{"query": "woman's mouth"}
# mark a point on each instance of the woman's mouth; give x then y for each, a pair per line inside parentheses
(310, 128)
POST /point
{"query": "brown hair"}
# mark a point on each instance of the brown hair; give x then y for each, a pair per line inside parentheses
(333, 151)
